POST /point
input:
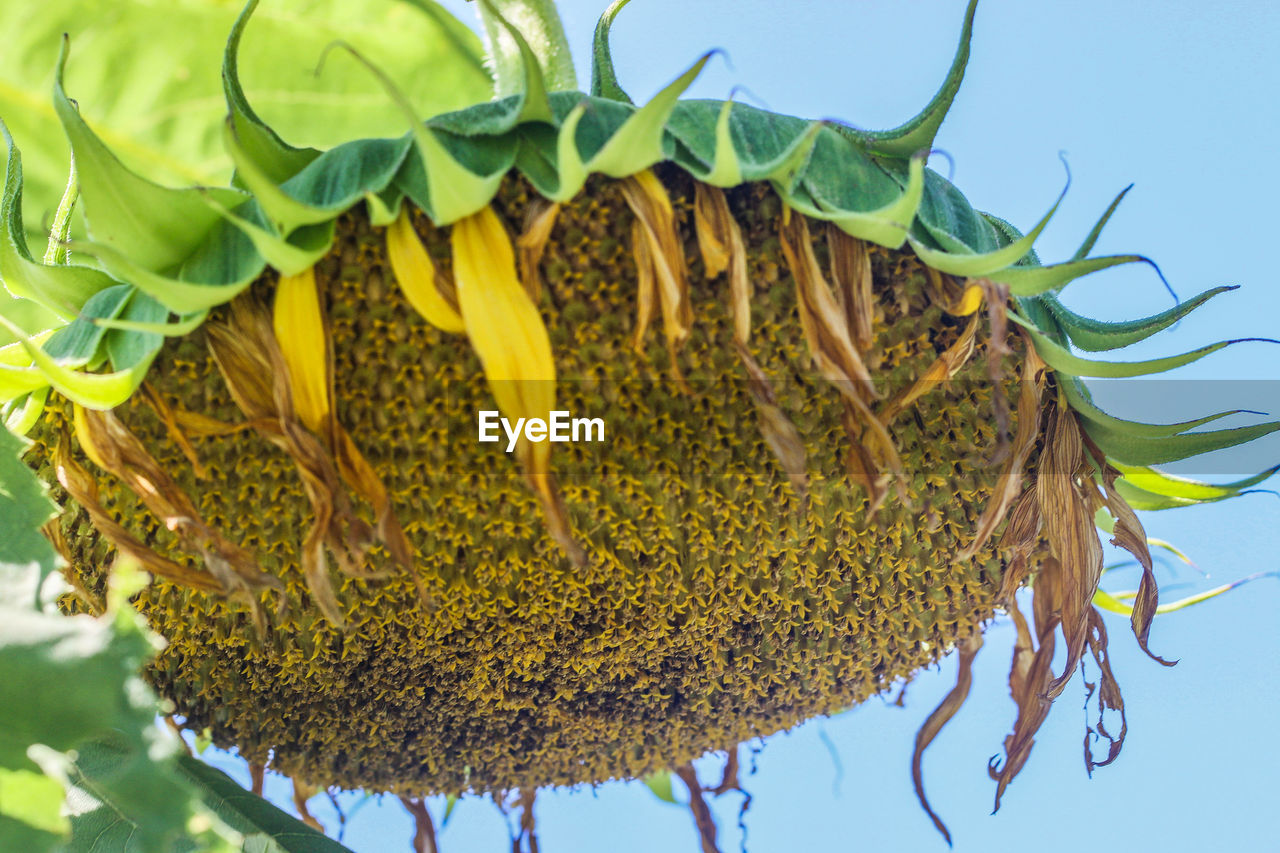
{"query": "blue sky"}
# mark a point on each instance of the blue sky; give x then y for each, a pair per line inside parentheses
(1176, 97)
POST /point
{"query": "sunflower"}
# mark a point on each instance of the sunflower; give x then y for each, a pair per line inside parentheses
(821, 420)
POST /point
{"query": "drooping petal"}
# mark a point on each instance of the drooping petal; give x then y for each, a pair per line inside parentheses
(299, 327)
(416, 275)
(508, 335)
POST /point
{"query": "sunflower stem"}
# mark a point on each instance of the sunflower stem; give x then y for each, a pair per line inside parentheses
(60, 231)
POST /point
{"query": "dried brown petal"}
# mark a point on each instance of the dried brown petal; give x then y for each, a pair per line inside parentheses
(830, 344)
(301, 793)
(528, 825)
(648, 199)
(83, 489)
(547, 489)
(712, 235)
(117, 450)
(941, 715)
(257, 777)
(851, 275)
(825, 325)
(861, 465)
(778, 430)
(1108, 697)
(729, 776)
(424, 836)
(702, 819)
(997, 297)
(717, 226)
(1068, 500)
(1020, 537)
(246, 341)
(176, 433)
(1031, 391)
(1130, 535)
(539, 220)
(1029, 676)
(646, 286)
(943, 368)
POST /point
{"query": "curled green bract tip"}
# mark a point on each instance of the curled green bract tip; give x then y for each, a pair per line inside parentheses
(156, 260)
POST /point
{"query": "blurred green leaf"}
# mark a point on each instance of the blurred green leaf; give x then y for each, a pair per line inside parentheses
(26, 557)
(126, 786)
(246, 812)
(121, 799)
(91, 726)
(660, 784)
(148, 79)
(30, 811)
(19, 835)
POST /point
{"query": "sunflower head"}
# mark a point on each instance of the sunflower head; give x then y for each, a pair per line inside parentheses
(562, 438)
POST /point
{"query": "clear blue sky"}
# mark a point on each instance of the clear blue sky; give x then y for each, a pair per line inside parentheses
(1178, 97)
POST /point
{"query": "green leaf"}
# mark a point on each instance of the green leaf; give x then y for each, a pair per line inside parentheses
(22, 414)
(155, 226)
(250, 814)
(26, 557)
(270, 154)
(1033, 280)
(222, 266)
(524, 65)
(91, 726)
(1094, 233)
(77, 343)
(830, 194)
(1064, 361)
(1116, 603)
(16, 834)
(916, 136)
(1081, 402)
(637, 144)
(450, 800)
(129, 349)
(32, 798)
(537, 49)
(604, 80)
(59, 289)
(1143, 450)
(325, 187)
(1096, 336)
(121, 798)
(30, 317)
(1155, 489)
(89, 665)
(289, 256)
(55, 251)
(760, 145)
(439, 178)
(94, 390)
(160, 105)
(660, 784)
(970, 245)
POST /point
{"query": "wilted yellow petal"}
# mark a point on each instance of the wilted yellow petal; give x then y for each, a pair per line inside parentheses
(539, 220)
(648, 199)
(509, 336)
(417, 275)
(84, 435)
(299, 327)
(969, 302)
(502, 322)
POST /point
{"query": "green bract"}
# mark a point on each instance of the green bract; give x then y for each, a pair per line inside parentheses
(164, 256)
(87, 317)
